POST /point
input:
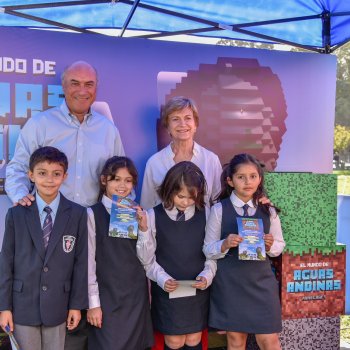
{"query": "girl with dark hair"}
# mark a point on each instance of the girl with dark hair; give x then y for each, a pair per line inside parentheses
(118, 295)
(171, 250)
(244, 295)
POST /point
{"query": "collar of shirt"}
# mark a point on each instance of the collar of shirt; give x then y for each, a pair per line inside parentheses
(171, 154)
(42, 204)
(107, 202)
(71, 118)
(237, 202)
(189, 212)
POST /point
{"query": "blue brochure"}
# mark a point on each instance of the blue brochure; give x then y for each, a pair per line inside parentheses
(253, 245)
(123, 222)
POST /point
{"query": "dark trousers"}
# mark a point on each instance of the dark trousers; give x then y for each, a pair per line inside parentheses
(77, 339)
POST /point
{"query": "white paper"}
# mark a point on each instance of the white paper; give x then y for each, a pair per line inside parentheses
(184, 289)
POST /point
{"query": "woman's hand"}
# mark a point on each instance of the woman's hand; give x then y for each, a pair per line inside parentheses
(231, 241)
(94, 317)
(268, 238)
(170, 285)
(201, 283)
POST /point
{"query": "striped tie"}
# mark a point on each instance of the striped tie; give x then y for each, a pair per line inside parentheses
(245, 210)
(180, 215)
(47, 226)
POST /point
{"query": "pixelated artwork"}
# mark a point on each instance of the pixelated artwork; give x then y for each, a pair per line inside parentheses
(321, 333)
(308, 204)
(311, 270)
(241, 105)
(312, 281)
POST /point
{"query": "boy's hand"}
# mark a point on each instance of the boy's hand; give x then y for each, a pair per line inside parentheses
(6, 319)
(231, 241)
(26, 201)
(94, 317)
(170, 285)
(268, 238)
(201, 283)
(73, 319)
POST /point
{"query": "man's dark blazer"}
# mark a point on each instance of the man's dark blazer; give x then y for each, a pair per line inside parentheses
(40, 286)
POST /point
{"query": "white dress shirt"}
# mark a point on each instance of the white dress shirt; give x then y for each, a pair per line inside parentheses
(146, 247)
(213, 243)
(158, 165)
(87, 146)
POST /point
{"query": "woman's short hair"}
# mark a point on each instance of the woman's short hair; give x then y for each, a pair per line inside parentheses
(175, 104)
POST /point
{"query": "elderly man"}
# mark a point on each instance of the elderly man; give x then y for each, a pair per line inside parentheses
(85, 136)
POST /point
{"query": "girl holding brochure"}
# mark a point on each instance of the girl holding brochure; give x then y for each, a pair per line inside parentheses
(244, 296)
(119, 309)
(171, 251)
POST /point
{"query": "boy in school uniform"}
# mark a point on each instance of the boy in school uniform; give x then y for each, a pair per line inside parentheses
(43, 261)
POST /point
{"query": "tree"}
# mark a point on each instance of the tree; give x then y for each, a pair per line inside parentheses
(341, 138)
(241, 43)
(342, 105)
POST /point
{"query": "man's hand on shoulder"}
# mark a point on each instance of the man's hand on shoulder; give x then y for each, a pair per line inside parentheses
(26, 201)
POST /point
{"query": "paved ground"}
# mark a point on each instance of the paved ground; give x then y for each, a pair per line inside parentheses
(344, 346)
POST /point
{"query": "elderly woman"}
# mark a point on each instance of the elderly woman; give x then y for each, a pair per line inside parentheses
(180, 118)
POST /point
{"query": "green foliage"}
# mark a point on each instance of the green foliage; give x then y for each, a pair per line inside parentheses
(342, 105)
(341, 138)
(343, 57)
(250, 44)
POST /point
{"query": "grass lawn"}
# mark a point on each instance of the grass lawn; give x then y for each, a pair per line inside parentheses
(343, 181)
(345, 328)
(344, 188)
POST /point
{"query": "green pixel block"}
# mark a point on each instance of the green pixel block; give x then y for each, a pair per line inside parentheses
(314, 250)
(308, 204)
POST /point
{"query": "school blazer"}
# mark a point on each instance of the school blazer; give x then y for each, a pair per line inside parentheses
(39, 286)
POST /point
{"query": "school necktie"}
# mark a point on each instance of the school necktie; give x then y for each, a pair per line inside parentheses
(245, 210)
(47, 226)
(180, 215)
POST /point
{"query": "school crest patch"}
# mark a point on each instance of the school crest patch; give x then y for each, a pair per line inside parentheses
(68, 243)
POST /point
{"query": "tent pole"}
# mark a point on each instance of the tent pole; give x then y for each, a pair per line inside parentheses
(326, 31)
(127, 21)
